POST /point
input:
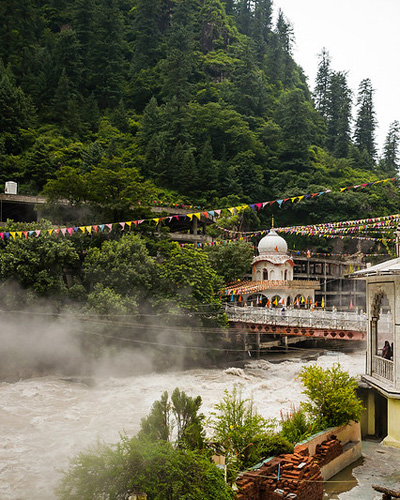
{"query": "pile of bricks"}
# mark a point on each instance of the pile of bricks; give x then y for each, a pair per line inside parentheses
(327, 451)
(299, 478)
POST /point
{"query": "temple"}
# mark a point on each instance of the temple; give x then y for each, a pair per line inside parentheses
(272, 282)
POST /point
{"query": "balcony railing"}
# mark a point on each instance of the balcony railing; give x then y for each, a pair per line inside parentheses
(382, 368)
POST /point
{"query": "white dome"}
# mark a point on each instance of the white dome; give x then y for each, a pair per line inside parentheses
(271, 243)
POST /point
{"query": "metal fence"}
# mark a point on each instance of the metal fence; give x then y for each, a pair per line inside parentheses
(317, 318)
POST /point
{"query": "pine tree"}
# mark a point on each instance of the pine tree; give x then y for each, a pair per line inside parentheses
(188, 181)
(178, 66)
(364, 133)
(244, 16)
(322, 83)
(106, 54)
(280, 62)
(390, 159)
(16, 110)
(69, 58)
(83, 26)
(339, 108)
(207, 168)
(261, 26)
(148, 23)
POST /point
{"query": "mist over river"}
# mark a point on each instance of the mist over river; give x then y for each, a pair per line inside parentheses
(46, 421)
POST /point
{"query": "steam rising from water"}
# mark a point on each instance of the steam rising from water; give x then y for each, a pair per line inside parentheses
(46, 420)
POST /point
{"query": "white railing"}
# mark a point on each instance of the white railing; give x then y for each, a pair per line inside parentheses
(317, 318)
(382, 368)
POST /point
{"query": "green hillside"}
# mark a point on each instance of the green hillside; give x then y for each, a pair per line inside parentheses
(116, 102)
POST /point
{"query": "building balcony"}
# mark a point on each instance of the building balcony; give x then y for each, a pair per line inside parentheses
(382, 369)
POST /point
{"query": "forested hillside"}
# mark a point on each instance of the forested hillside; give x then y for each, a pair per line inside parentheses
(116, 102)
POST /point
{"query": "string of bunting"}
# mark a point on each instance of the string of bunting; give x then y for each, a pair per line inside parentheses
(379, 224)
(211, 214)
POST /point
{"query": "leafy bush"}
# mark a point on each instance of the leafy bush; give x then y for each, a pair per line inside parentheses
(295, 426)
(138, 465)
(245, 436)
(177, 421)
(332, 395)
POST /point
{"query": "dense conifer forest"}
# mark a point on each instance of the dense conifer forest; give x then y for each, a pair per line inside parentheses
(117, 105)
(116, 102)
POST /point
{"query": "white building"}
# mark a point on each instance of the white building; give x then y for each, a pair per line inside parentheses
(383, 369)
(272, 281)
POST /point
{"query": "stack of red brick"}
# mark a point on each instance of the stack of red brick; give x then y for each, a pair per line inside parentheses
(299, 475)
(327, 451)
(299, 478)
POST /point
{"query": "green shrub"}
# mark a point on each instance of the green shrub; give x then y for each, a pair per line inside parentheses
(244, 435)
(332, 396)
(295, 425)
(138, 465)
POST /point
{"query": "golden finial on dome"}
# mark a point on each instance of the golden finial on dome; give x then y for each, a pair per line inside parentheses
(272, 224)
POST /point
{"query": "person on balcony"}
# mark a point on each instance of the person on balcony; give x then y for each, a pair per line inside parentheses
(386, 351)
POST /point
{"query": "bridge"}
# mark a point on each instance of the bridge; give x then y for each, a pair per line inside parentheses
(263, 328)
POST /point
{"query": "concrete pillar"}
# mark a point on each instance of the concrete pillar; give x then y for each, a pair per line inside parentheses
(393, 437)
(371, 413)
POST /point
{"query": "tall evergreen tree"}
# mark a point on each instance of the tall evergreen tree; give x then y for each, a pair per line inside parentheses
(179, 64)
(261, 26)
(280, 61)
(390, 159)
(83, 25)
(322, 83)
(244, 16)
(106, 54)
(150, 20)
(339, 107)
(207, 168)
(364, 133)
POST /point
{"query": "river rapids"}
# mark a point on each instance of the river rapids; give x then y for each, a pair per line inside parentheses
(45, 421)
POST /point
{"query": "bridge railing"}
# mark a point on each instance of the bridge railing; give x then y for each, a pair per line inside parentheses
(337, 320)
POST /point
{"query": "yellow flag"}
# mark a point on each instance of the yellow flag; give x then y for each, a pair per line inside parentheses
(82, 228)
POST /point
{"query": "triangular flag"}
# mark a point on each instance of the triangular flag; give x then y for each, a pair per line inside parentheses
(70, 230)
(351, 303)
(275, 302)
(63, 230)
(109, 226)
(89, 229)
(82, 228)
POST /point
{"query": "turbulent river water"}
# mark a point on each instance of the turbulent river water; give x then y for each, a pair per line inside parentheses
(45, 421)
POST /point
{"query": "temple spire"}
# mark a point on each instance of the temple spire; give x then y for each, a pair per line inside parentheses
(272, 223)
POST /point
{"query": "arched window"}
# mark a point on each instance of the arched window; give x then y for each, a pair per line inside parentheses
(275, 301)
(299, 301)
(265, 274)
(272, 275)
(285, 278)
